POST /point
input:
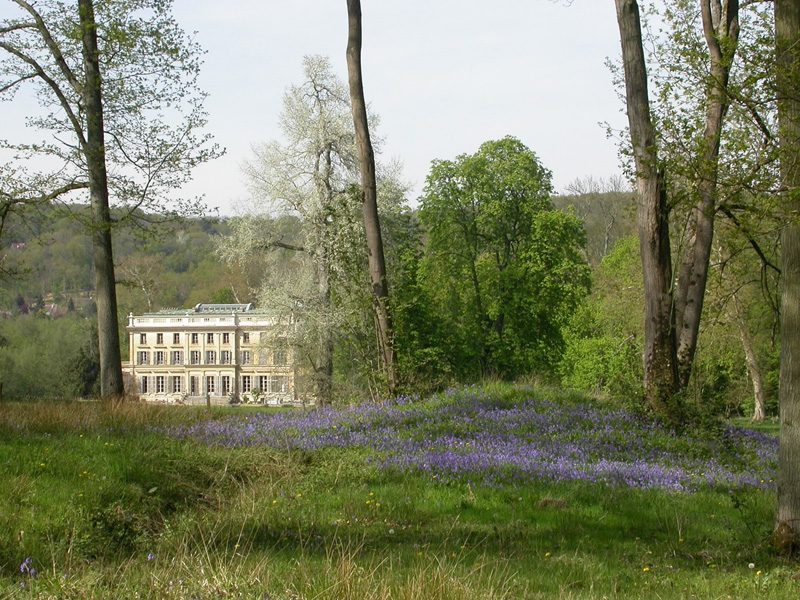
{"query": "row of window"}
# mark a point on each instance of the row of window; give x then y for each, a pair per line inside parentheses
(194, 337)
(159, 384)
(225, 357)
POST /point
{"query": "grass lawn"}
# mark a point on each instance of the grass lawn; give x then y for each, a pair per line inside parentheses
(491, 492)
(768, 425)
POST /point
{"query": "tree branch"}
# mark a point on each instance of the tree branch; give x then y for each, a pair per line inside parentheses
(271, 245)
(51, 44)
(17, 27)
(62, 98)
(9, 200)
(8, 86)
(751, 108)
(764, 260)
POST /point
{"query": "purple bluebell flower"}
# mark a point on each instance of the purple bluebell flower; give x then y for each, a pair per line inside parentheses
(27, 568)
(469, 435)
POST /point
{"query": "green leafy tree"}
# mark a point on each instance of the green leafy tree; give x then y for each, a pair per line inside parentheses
(48, 359)
(710, 68)
(502, 268)
(423, 362)
(604, 338)
(116, 80)
(704, 147)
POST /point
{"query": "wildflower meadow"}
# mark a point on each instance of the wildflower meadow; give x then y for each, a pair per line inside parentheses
(470, 435)
(493, 491)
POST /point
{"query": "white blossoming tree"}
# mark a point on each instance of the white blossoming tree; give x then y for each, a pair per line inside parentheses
(316, 273)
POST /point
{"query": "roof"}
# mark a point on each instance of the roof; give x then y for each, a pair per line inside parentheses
(223, 308)
(212, 309)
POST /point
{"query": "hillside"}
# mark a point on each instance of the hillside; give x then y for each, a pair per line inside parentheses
(497, 492)
(161, 265)
(175, 264)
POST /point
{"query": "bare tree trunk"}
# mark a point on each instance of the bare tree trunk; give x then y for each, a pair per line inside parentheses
(377, 263)
(607, 237)
(759, 400)
(721, 30)
(787, 42)
(324, 368)
(660, 367)
(753, 369)
(105, 285)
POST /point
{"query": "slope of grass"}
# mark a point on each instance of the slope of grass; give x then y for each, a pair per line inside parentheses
(134, 500)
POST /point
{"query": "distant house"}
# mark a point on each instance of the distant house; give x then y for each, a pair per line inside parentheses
(212, 352)
(54, 311)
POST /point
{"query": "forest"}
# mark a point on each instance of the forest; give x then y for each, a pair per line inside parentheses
(494, 275)
(594, 345)
(181, 263)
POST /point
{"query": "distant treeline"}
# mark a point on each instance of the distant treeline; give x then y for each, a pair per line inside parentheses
(46, 307)
(164, 264)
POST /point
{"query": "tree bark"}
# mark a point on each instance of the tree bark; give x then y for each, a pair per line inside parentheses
(753, 369)
(759, 400)
(324, 368)
(324, 365)
(377, 263)
(721, 30)
(660, 365)
(787, 42)
(94, 150)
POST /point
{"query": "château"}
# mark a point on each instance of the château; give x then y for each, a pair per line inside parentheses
(215, 353)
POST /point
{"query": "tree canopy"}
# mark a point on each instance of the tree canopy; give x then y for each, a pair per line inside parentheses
(502, 267)
(153, 113)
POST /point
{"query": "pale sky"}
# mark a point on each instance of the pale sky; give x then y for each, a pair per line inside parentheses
(444, 76)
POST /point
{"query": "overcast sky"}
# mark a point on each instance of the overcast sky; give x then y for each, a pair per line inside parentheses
(444, 76)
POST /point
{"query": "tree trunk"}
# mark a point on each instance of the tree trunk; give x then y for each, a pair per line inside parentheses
(324, 368)
(759, 400)
(105, 285)
(753, 369)
(721, 29)
(377, 263)
(607, 236)
(787, 42)
(660, 368)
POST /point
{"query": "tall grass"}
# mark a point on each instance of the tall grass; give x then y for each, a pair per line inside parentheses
(105, 506)
(196, 568)
(83, 416)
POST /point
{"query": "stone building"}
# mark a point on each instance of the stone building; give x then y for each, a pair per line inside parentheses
(212, 352)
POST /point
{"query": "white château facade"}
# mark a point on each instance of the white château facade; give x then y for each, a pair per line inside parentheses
(210, 353)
